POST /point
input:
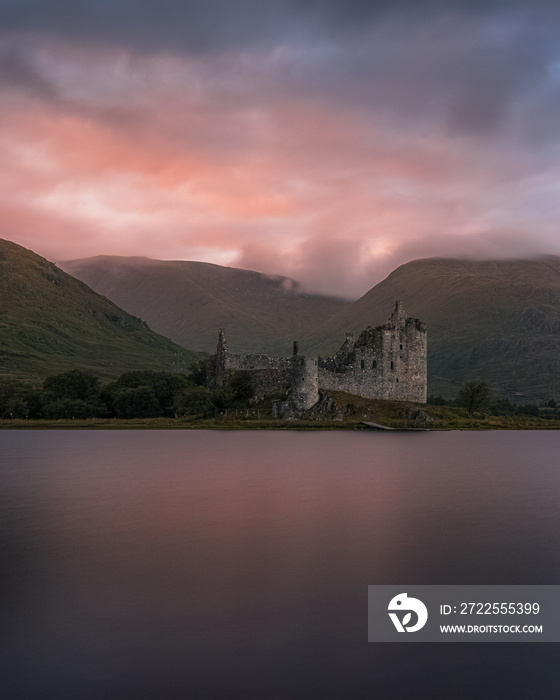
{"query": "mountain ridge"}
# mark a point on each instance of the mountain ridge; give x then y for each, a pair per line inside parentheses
(491, 320)
(188, 301)
(51, 322)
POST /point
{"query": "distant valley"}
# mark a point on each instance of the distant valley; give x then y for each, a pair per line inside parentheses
(189, 301)
(498, 321)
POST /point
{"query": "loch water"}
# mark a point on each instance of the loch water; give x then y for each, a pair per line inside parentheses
(213, 564)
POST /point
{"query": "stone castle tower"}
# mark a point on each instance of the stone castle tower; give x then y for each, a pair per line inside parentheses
(385, 362)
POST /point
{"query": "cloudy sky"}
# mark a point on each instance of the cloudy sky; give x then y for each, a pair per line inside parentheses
(328, 140)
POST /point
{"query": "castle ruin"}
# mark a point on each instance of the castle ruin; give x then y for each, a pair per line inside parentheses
(385, 362)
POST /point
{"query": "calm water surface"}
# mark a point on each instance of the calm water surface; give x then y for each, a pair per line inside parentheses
(170, 564)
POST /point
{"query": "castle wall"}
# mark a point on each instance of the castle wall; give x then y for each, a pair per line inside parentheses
(386, 362)
(270, 376)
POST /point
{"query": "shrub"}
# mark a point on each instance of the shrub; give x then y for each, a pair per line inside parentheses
(196, 401)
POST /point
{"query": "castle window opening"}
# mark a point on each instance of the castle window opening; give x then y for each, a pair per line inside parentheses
(392, 365)
(363, 364)
(401, 346)
(374, 364)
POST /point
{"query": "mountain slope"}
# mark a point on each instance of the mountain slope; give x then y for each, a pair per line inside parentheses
(493, 320)
(189, 301)
(51, 322)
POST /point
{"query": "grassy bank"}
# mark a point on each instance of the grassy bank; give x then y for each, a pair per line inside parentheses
(175, 424)
(386, 413)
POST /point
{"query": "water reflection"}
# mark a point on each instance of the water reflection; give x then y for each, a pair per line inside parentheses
(198, 564)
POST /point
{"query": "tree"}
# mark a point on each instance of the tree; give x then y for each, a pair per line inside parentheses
(197, 372)
(71, 408)
(19, 399)
(196, 401)
(166, 386)
(238, 389)
(74, 384)
(137, 402)
(474, 396)
(72, 394)
(528, 410)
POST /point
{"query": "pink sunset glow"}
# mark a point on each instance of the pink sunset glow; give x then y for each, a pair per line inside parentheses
(330, 154)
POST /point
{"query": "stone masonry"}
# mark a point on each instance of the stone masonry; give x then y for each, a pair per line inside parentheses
(386, 362)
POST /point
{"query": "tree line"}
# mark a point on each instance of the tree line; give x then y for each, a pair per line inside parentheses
(150, 394)
(136, 394)
(477, 397)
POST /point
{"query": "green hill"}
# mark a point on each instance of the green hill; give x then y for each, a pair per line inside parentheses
(189, 301)
(51, 322)
(498, 321)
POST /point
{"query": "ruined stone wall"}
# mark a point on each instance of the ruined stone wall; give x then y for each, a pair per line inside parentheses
(386, 362)
(270, 376)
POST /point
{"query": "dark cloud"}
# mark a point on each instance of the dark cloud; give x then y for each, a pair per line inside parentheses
(459, 64)
(464, 76)
(17, 71)
(360, 13)
(494, 74)
(169, 25)
(210, 25)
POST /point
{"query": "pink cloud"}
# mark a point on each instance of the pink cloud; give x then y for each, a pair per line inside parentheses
(157, 159)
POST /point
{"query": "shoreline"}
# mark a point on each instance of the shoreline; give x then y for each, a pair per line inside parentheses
(476, 424)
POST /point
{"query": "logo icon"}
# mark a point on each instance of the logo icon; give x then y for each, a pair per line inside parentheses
(402, 603)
